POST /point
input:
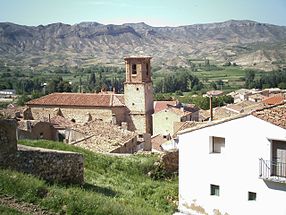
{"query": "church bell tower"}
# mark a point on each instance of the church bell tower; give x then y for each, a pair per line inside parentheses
(138, 93)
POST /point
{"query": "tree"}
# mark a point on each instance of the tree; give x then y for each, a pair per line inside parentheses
(249, 79)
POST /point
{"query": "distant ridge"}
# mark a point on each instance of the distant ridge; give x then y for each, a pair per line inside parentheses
(246, 42)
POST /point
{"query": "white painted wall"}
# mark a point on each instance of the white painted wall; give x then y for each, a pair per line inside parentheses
(235, 170)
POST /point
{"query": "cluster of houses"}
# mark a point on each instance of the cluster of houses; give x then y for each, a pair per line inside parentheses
(232, 159)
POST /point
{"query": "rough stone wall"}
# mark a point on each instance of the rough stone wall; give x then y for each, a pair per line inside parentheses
(51, 165)
(120, 114)
(41, 130)
(80, 115)
(139, 100)
(170, 161)
(128, 147)
(139, 123)
(8, 140)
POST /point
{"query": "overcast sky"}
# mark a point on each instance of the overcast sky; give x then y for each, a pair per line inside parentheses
(152, 12)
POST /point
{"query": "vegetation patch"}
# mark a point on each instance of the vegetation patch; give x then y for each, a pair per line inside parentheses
(113, 185)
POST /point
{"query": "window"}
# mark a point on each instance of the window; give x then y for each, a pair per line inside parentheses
(147, 69)
(214, 190)
(216, 144)
(251, 196)
(137, 89)
(134, 70)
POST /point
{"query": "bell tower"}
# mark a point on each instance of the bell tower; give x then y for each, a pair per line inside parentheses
(138, 93)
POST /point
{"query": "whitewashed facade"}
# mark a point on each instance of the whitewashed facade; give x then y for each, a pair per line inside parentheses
(220, 171)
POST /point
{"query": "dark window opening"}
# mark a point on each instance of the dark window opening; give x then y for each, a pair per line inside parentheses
(73, 120)
(134, 70)
(41, 135)
(214, 190)
(137, 89)
(217, 144)
(251, 196)
(147, 69)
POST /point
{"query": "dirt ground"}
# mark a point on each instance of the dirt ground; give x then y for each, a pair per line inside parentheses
(23, 207)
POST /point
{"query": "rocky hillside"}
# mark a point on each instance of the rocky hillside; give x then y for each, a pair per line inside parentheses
(247, 43)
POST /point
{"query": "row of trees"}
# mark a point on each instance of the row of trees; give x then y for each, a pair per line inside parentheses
(182, 81)
(266, 80)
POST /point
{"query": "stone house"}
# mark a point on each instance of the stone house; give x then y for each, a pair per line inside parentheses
(235, 166)
(134, 107)
(163, 121)
(35, 129)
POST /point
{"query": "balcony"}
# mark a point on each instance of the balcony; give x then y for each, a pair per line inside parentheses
(272, 171)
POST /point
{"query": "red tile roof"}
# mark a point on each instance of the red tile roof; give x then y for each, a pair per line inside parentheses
(161, 105)
(274, 114)
(157, 141)
(79, 100)
(274, 100)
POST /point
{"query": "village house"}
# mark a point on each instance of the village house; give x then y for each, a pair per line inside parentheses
(163, 121)
(134, 107)
(235, 166)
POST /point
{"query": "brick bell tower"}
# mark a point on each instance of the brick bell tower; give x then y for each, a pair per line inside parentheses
(138, 94)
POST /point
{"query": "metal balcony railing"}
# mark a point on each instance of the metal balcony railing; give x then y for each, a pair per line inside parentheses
(272, 170)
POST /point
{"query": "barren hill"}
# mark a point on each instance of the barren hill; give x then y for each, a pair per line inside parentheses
(247, 43)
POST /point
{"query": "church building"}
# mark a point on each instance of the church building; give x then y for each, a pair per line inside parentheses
(134, 107)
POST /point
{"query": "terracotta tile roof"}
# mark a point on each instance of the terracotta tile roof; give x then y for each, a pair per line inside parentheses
(157, 141)
(61, 122)
(105, 137)
(274, 114)
(161, 105)
(180, 126)
(79, 100)
(274, 100)
(244, 106)
(257, 97)
(179, 111)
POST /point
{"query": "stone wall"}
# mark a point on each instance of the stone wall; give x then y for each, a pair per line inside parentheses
(170, 161)
(8, 141)
(38, 130)
(50, 165)
(127, 147)
(81, 115)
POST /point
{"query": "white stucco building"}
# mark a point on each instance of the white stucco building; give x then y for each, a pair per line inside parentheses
(236, 166)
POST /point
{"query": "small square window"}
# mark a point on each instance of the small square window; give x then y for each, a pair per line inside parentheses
(251, 196)
(217, 144)
(214, 190)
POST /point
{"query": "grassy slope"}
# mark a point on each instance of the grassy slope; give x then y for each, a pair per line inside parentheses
(9, 211)
(114, 185)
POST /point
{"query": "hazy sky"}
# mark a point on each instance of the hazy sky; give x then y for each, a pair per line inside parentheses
(152, 12)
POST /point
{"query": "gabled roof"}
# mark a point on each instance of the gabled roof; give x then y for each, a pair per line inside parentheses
(161, 105)
(79, 100)
(244, 106)
(274, 100)
(275, 114)
(157, 141)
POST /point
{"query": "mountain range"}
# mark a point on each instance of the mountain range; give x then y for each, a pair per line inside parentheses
(246, 43)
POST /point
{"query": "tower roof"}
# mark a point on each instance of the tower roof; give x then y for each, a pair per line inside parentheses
(137, 57)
